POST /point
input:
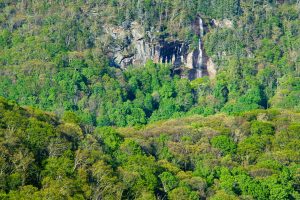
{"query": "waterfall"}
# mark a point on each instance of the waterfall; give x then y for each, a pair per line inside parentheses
(200, 49)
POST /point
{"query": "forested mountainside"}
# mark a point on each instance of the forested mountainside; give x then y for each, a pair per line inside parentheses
(221, 157)
(61, 55)
(150, 99)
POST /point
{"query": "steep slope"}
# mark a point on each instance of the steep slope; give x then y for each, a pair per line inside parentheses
(59, 55)
(130, 110)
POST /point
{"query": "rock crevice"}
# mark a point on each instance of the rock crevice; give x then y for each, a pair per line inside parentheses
(134, 46)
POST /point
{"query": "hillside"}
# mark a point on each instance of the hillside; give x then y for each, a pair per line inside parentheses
(65, 55)
(254, 156)
(150, 99)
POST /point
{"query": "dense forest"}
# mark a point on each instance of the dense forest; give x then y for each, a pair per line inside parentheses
(74, 125)
(52, 56)
(252, 156)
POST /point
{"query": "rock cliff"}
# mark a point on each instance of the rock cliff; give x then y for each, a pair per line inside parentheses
(132, 45)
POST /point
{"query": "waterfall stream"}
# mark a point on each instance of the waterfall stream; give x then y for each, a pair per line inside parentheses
(200, 49)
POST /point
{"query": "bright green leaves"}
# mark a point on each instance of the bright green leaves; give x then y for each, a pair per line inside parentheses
(217, 157)
(57, 168)
(110, 138)
(182, 193)
(287, 94)
(251, 100)
(269, 51)
(144, 172)
(262, 128)
(224, 143)
(169, 181)
(70, 117)
(250, 148)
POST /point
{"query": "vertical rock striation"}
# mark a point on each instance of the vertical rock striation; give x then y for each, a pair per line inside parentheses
(135, 46)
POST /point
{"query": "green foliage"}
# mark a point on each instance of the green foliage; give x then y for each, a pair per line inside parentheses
(70, 117)
(251, 147)
(287, 94)
(56, 168)
(110, 138)
(221, 195)
(169, 181)
(63, 64)
(262, 128)
(54, 56)
(183, 193)
(224, 143)
(45, 157)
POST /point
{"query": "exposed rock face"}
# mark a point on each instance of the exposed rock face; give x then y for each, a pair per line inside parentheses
(134, 46)
(225, 23)
(211, 68)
